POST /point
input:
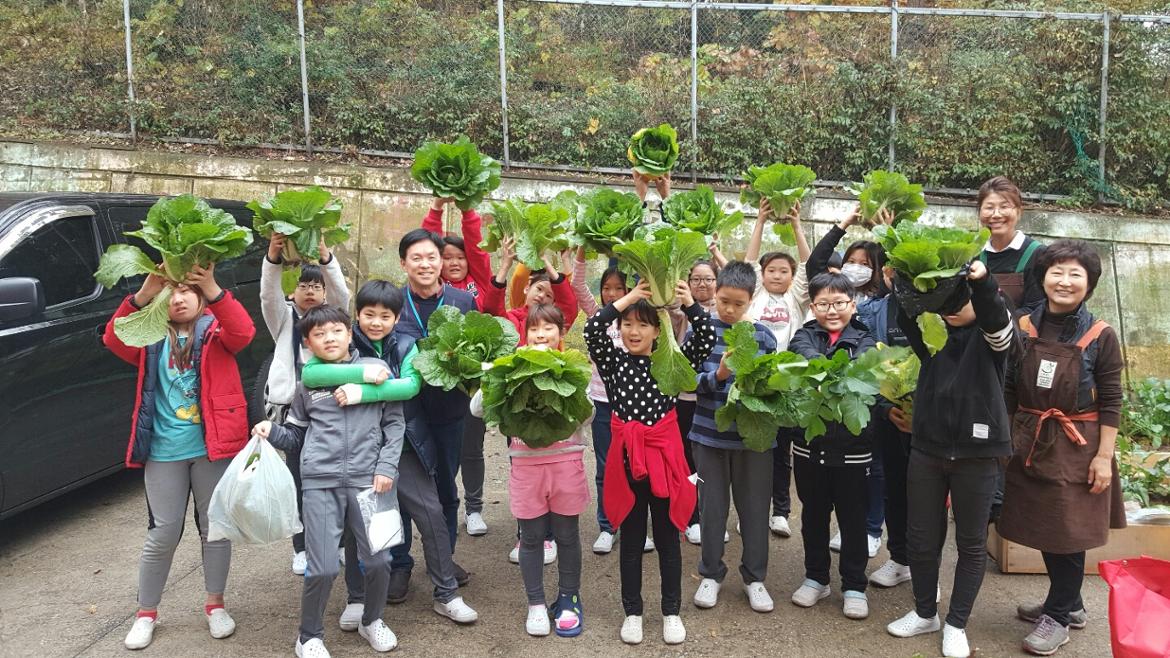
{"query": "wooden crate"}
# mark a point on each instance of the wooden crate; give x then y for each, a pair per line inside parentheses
(1133, 541)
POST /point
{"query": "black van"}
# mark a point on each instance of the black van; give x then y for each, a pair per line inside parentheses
(65, 400)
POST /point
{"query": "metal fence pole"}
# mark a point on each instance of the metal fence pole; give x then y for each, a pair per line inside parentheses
(893, 102)
(304, 75)
(694, 90)
(503, 81)
(1103, 115)
(130, 72)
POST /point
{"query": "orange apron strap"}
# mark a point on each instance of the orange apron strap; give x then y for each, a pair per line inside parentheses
(1092, 334)
(1026, 325)
(1066, 422)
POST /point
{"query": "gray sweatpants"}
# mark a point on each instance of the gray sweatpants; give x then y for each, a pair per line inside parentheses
(169, 488)
(532, 534)
(418, 497)
(747, 476)
(326, 513)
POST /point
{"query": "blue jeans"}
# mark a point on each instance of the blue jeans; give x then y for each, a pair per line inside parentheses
(602, 434)
(875, 516)
(448, 440)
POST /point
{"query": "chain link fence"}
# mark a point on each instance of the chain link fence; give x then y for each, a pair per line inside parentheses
(583, 78)
(948, 95)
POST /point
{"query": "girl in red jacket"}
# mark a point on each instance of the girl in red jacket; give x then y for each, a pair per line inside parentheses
(190, 418)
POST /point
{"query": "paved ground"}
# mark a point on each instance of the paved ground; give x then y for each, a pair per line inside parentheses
(68, 581)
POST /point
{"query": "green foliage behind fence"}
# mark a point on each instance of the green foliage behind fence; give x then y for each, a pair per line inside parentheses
(975, 97)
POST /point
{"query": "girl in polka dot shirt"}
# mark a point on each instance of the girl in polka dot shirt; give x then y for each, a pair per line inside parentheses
(646, 467)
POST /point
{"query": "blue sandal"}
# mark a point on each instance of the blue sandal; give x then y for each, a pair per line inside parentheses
(568, 603)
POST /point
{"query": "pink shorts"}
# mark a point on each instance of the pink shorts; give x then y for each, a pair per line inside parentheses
(559, 487)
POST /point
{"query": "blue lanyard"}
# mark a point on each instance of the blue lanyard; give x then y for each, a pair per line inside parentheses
(417, 318)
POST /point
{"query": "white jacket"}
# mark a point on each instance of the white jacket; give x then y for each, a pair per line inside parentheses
(278, 316)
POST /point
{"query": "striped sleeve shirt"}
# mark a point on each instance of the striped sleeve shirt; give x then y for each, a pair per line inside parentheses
(712, 393)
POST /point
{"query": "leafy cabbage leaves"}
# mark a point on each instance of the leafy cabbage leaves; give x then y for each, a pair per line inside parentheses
(537, 228)
(887, 190)
(305, 216)
(697, 210)
(604, 218)
(187, 232)
(785, 390)
(662, 256)
(783, 185)
(537, 395)
(926, 254)
(654, 151)
(457, 345)
(457, 170)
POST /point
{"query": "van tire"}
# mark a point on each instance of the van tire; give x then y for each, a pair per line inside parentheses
(256, 398)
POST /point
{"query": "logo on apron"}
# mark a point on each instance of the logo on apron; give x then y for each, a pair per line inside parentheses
(1045, 374)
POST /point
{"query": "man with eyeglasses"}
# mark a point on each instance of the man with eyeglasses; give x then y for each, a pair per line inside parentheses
(316, 285)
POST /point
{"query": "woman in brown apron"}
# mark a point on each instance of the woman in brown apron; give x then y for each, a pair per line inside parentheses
(1009, 252)
(1062, 494)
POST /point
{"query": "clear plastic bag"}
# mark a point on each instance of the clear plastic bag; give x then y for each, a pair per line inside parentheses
(255, 501)
(381, 518)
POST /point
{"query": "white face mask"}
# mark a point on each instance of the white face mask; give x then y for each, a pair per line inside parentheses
(858, 274)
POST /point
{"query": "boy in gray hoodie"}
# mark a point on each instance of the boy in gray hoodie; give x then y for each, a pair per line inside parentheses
(344, 449)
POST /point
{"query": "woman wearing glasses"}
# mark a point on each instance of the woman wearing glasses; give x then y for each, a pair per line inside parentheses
(701, 281)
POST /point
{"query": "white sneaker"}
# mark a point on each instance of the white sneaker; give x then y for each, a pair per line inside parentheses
(457, 611)
(779, 526)
(694, 535)
(673, 631)
(807, 595)
(379, 635)
(954, 642)
(758, 597)
(537, 624)
(708, 593)
(351, 617)
(911, 624)
(514, 556)
(856, 606)
(875, 545)
(314, 648)
(604, 543)
(632, 629)
(890, 574)
(835, 543)
(141, 633)
(476, 527)
(300, 563)
(648, 547)
(341, 556)
(550, 552)
(221, 624)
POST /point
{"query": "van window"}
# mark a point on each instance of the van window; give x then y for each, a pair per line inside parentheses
(63, 254)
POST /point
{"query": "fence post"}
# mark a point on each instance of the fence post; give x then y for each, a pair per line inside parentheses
(304, 75)
(893, 101)
(1103, 114)
(130, 73)
(503, 81)
(694, 90)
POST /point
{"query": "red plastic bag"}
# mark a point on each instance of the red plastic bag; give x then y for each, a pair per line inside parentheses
(1139, 606)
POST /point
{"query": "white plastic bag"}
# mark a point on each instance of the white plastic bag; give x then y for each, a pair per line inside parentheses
(382, 519)
(255, 501)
